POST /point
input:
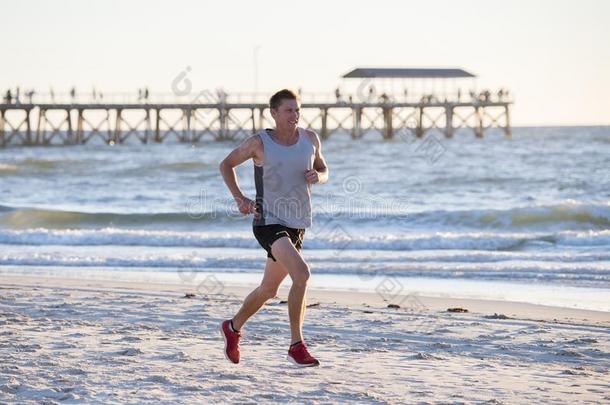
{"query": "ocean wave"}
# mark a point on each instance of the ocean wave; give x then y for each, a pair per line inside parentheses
(187, 256)
(23, 218)
(185, 165)
(597, 273)
(198, 262)
(564, 216)
(559, 216)
(7, 168)
(314, 240)
(79, 165)
(42, 165)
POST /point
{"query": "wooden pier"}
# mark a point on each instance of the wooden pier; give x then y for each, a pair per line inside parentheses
(363, 112)
(114, 123)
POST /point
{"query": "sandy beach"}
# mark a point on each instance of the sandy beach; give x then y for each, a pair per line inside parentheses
(88, 341)
(441, 168)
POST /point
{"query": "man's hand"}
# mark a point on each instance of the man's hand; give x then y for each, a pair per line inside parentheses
(246, 206)
(312, 176)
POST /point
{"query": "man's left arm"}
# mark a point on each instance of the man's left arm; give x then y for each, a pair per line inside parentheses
(319, 174)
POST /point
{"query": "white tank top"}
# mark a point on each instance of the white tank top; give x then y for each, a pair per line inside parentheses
(282, 194)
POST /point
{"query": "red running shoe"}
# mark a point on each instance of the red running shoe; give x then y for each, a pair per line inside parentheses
(231, 341)
(299, 355)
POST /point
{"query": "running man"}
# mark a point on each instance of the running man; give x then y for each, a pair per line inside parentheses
(287, 161)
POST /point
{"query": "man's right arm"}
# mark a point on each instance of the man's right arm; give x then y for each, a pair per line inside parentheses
(247, 150)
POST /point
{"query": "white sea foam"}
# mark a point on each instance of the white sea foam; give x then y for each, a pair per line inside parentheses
(321, 240)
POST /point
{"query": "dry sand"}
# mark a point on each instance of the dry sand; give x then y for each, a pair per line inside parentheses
(87, 341)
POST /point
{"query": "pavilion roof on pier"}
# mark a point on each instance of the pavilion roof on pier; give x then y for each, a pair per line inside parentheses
(419, 73)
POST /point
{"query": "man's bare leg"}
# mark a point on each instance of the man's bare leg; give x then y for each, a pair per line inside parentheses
(274, 275)
(304, 308)
(285, 253)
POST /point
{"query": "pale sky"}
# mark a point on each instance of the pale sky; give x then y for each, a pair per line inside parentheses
(554, 56)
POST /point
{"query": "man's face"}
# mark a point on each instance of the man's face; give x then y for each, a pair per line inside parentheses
(287, 114)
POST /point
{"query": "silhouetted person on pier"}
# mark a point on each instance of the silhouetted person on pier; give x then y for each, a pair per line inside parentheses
(338, 95)
(372, 92)
(17, 94)
(52, 94)
(503, 94)
(146, 93)
(222, 96)
(73, 93)
(426, 98)
(30, 96)
(486, 95)
(8, 97)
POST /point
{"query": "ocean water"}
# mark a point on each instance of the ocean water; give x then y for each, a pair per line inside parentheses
(525, 219)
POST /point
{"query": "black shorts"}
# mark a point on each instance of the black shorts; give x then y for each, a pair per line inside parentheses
(267, 234)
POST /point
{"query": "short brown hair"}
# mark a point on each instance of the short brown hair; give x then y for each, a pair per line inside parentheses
(277, 98)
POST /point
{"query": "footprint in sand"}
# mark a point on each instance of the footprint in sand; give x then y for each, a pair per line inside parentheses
(427, 356)
(130, 352)
(582, 341)
(568, 353)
